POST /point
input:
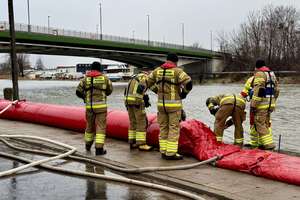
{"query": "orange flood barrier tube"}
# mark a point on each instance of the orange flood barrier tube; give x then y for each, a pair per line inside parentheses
(195, 139)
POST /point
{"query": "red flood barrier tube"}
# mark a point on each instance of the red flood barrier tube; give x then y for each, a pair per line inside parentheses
(195, 139)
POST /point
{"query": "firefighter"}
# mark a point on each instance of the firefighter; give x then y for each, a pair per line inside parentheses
(135, 104)
(93, 89)
(173, 85)
(226, 105)
(247, 93)
(262, 104)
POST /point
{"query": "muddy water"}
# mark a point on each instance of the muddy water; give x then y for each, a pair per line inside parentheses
(285, 119)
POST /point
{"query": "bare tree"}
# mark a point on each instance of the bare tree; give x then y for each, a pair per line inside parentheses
(23, 62)
(272, 34)
(39, 64)
(196, 45)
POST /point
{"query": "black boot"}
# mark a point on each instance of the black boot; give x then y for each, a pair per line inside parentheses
(88, 146)
(100, 151)
(174, 157)
(133, 146)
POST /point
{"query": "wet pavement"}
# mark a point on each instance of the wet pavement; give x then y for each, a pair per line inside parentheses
(38, 184)
(285, 119)
(211, 182)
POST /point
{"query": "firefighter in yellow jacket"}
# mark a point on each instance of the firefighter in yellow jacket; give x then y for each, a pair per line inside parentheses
(226, 105)
(173, 85)
(135, 104)
(94, 89)
(262, 104)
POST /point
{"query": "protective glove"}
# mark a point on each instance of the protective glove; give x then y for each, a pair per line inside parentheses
(146, 100)
(213, 111)
(183, 115)
(252, 115)
(228, 123)
(140, 89)
(80, 95)
(251, 92)
(183, 95)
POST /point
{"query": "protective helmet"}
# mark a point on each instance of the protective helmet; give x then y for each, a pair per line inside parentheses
(172, 57)
(208, 101)
(97, 66)
(260, 63)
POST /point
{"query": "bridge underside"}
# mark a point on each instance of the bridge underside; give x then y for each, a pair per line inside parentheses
(133, 58)
(134, 54)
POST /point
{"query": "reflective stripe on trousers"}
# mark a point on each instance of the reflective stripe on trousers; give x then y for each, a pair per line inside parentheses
(88, 137)
(219, 139)
(162, 146)
(172, 148)
(140, 136)
(239, 141)
(100, 138)
(131, 134)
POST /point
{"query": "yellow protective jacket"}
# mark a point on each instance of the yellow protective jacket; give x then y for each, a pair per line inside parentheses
(248, 87)
(171, 82)
(94, 89)
(226, 99)
(131, 95)
(265, 90)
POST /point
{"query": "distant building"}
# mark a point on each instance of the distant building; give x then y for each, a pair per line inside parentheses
(115, 72)
(82, 68)
(66, 69)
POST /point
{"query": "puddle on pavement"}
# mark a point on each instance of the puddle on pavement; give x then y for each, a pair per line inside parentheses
(36, 185)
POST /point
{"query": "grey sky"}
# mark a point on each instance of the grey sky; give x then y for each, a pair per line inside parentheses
(122, 17)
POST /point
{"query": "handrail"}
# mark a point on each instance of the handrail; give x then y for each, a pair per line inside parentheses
(4, 26)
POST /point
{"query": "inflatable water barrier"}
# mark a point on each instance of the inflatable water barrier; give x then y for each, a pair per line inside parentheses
(195, 139)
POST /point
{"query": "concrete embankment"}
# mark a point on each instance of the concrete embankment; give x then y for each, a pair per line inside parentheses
(212, 182)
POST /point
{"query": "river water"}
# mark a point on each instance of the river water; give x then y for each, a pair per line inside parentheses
(285, 119)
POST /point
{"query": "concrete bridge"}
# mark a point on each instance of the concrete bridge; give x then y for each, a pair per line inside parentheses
(140, 53)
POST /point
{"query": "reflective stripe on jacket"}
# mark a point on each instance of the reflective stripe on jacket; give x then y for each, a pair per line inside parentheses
(248, 88)
(131, 95)
(95, 87)
(170, 83)
(227, 99)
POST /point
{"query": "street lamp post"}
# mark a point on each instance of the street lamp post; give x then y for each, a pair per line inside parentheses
(133, 36)
(97, 31)
(48, 24)
(148, 20)
(182, 24)
(13, 55)
(211, 41)
(28, 14)
(100, 18)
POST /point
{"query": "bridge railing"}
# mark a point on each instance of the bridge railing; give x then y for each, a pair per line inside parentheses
(94, 36)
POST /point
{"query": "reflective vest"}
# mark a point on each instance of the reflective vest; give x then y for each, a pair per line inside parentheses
(131, 95)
